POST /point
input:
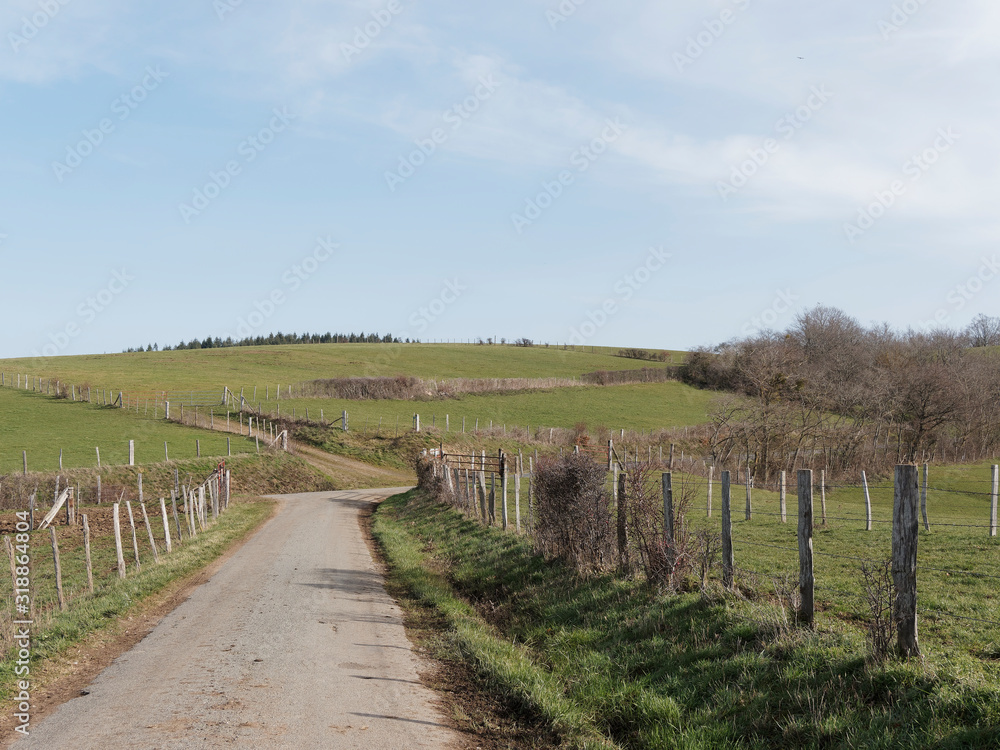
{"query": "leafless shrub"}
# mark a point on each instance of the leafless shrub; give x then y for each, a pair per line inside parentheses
(360, 389)
(707, 548)
(643, 354)
(572, 512)
(878, 592)
(430, 479)
(622, 377)
(665, 565)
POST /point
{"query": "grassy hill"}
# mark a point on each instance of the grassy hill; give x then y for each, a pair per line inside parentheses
(238, 367)
(43, 425)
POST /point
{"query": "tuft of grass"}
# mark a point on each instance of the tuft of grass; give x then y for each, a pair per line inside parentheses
(686, 670)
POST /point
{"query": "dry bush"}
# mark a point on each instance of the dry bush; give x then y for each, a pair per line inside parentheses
(362, 389)
(573, 519)
(707, 549)
(631, 353)
(430, 479)
(623, 377)
(879, 594)
(665, 565)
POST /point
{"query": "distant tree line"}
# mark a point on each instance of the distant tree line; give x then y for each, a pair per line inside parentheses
(277, 339)
(831, 393)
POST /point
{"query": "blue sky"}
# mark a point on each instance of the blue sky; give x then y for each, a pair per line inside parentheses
(629, 173)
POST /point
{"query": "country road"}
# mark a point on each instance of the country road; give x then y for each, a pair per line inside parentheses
(293, 643)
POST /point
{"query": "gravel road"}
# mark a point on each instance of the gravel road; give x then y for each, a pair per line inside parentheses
(292, 644)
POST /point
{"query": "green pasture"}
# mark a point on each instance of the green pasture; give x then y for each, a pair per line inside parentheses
(42, 425)
(639, 406)
(271, 366)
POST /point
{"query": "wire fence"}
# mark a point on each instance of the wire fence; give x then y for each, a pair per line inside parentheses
(836, 576)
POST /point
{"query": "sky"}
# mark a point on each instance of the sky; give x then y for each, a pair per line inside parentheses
(634, 173)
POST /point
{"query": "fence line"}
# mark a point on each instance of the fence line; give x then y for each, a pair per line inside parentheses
(461, 475)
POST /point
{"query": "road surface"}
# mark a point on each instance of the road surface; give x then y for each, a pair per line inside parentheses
(292, 644)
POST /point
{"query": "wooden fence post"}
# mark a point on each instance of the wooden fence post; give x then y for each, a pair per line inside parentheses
(177, 521)
(493, 498)
(135, 539)
(503, 480)
(481, 482)
(905, 527)
(781, 493)
(131, 453)
(149, 532)
(668, 520)
(517, 495)
(166, 525)
(868, 502)
(624, 563)
(749, 510)
(189, 512)
(86, 553)
(728, 563)
(806, 580)
(822, 493)
(993, 499)
(923, 498)
(711, 473)
(58, 569)
(203, 507)
(118, 541)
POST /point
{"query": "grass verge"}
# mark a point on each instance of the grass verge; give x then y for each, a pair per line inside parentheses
(611, 662)
(506, 667)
